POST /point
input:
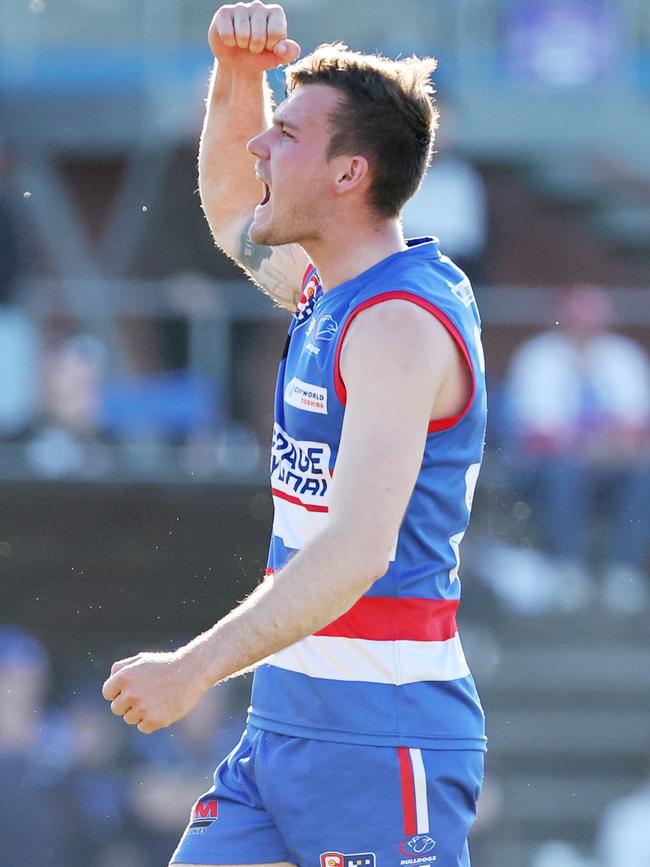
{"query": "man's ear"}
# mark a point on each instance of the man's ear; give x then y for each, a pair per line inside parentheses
(349, 173)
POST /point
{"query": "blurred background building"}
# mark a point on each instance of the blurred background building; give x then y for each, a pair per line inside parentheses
(136, 377)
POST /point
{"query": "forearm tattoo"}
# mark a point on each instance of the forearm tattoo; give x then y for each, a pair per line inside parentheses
(274, 269)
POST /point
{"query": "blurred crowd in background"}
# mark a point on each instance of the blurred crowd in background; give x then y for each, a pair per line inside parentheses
(86, 790)
(130, 349)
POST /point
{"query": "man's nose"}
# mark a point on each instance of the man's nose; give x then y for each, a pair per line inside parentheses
(258, 147)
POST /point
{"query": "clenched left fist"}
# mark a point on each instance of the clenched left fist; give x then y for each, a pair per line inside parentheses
(154, 690)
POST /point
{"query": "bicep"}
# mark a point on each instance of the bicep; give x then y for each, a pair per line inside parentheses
(379, 458)
(392, 374)
(278, 271)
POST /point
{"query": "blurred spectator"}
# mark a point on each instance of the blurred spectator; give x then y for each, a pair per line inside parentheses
(557, 853)
(257, 348)
(84, 790)
(95, 792)
(579, 415)
(173, 391)
(170, 405)
(66, 439)
(72, 383)
(522, 579)
(30, 831)
(561, 43)
(18, 338)
(9, 239)
(19, 372)
(451, 203)
(171, 394)
(624, 835)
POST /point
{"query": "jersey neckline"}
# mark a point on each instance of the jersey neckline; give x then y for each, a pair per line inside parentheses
(426, 244)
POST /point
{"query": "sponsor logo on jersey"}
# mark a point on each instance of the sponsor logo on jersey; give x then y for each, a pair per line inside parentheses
(304, 395)
(300, 467)
(326, 327)
(463, 291)
(338, 859)
(204, 813)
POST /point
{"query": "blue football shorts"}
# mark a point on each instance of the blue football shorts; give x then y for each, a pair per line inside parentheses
(325, 804)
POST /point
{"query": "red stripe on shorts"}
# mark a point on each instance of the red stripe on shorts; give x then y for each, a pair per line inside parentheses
(408, 791)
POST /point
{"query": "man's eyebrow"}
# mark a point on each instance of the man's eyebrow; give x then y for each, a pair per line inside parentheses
(278, 120)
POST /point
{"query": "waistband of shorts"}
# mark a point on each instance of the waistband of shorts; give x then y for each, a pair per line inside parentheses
(379, 739)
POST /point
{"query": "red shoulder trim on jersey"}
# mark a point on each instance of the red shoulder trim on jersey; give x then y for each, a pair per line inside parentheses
(437, 424)
(310, 270)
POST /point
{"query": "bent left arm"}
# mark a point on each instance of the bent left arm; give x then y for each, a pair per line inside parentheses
(395, 360)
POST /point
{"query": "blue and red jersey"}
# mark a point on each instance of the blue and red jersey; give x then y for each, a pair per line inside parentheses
(391, 670)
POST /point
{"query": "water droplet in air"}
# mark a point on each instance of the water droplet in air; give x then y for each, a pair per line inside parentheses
(27, 195)
(36, 6)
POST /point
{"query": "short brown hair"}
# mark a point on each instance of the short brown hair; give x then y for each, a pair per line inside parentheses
(388, 114)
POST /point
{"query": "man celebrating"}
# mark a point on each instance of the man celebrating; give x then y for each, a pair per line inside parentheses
(365, 738)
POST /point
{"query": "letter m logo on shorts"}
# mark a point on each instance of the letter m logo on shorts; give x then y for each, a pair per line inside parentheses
(205, 812)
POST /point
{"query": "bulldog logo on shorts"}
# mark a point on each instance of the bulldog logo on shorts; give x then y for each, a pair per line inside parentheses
(418, 845)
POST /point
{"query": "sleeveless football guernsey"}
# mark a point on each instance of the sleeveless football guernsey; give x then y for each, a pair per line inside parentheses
(391, 670)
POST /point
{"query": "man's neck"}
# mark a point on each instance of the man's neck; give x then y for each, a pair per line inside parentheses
(348, 251)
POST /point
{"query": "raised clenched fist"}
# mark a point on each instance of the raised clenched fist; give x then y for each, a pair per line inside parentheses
(251, 37)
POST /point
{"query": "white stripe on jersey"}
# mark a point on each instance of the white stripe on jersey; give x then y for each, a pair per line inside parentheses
(360, 659)
(296, 526)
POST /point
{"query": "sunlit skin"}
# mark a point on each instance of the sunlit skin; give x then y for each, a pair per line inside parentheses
(292, 159)
(319, 203)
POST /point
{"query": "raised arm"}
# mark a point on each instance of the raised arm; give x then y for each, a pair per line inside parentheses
(246, 39)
